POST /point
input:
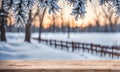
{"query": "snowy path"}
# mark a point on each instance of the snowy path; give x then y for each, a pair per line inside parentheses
(16, 49)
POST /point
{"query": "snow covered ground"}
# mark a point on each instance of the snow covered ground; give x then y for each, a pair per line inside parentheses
(17, 49)
(108, 39)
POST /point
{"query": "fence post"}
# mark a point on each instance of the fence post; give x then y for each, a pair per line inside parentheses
(40, 40)
(67, 46)
(102, 50)
(105, 51)
(46, 41)
(91, 48)
(109, 52)
(78, 46)
(73, 46)
(96, 49)
(112, 51)
(51, 42)
(83, 47)
(61, 44)
(55, 43)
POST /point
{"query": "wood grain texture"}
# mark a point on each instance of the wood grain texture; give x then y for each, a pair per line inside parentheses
(59, 66)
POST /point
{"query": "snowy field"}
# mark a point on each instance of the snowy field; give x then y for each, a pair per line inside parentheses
(17, 49)
(108, 39)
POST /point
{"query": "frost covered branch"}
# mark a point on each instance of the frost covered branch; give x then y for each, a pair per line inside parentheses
(51, 4)
(79, 9)
(114, 3)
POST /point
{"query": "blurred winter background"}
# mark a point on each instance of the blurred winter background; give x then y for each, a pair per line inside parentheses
(100, 25)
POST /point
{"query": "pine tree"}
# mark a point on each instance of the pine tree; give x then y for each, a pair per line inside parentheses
(3, 21)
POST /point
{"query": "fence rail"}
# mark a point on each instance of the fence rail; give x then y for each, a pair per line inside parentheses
(103, 51)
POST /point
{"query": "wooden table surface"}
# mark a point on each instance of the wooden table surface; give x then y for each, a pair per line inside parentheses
(59, 66)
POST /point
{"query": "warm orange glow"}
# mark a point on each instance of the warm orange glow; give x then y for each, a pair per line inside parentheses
(10, 20)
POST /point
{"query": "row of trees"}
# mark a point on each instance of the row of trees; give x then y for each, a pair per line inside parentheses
(64, 29)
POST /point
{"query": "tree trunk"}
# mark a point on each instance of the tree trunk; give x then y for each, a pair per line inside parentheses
(3, 21)
(10, 28)
(40, 28)
(68, 31)
(2, 28)
(28, 28)
(28, 33)
(41, 18)
(53, 27)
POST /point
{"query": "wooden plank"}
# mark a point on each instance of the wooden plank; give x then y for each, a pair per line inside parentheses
(52, 71)
(59, 66)
(69, 65)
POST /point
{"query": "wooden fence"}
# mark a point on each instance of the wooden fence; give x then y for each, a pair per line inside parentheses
(103, 51)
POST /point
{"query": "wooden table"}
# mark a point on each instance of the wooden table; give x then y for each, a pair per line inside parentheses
(59, 66)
